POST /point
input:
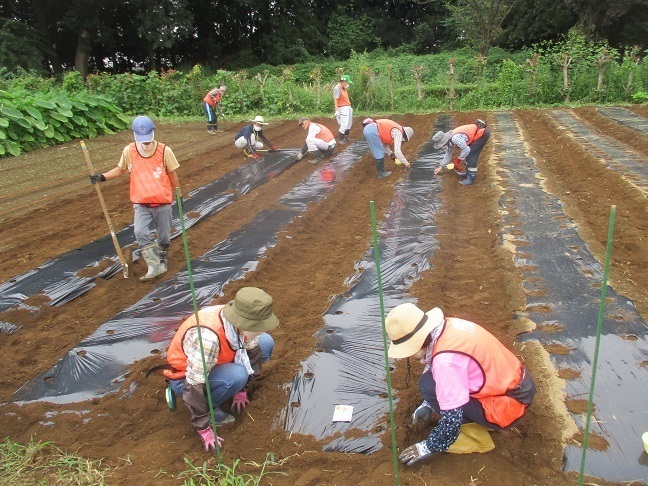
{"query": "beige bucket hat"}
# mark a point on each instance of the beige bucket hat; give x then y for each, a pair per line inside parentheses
(407, 326)
(251, 310)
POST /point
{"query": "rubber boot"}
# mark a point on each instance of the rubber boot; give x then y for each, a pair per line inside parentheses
(329, 151)
(317, 157)
(380, 167)
(150, 255)
(341, 138)
(470, 178)
(163, 251)
(346, 136)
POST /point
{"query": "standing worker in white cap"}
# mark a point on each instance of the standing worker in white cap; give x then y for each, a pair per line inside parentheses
(319, 140)
(234, 343)
(343, 110)
(470, 139)
(153, 181)
(469, 376)
(248, 138)
(382, 133)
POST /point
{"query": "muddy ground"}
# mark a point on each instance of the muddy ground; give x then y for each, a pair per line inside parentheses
(47, 207)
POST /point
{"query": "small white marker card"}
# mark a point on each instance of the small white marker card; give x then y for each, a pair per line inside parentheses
(343, 413)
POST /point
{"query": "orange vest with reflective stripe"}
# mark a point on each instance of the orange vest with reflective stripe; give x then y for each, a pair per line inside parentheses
(324, 134)
(210, 319)
(149, 181)
(502, 370)
(473, 132)
(343, 100)
(384, 130)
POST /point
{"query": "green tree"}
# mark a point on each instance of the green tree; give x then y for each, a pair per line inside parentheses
(20, 46)
(350, 32)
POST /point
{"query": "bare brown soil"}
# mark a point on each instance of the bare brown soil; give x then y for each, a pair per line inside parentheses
(472, 277)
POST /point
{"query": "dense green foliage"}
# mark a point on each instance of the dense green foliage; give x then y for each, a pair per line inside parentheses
(37, 111)
(31, 119)
(146, 35)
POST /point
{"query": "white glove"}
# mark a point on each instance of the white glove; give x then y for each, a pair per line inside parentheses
(415, 453)
(422, 412)
(300, 156)
(336, 114)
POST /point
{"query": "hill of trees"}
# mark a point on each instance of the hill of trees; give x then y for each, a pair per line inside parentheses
(54, 36)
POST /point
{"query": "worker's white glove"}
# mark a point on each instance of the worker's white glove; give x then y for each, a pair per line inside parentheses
(336, 114)
(415, 453)
(422, 412)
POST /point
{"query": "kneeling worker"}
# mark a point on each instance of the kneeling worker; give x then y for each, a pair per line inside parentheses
(319, 140)
(469, 376)
(235, 344)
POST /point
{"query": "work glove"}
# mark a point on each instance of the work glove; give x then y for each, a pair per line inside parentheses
(457, 164)
(97, 177)
(255, 155)
(209, 440)
(422, 412)
(272, 149)
(336, 114)
(392, 156)
(240, 401)
(415, 453)
(300, 156)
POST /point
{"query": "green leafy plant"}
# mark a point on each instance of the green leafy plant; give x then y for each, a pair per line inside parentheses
(223, 475)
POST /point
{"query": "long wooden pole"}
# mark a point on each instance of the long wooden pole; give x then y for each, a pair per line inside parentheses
(120, 254)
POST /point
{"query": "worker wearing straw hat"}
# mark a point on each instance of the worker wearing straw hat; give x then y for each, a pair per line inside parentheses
(469, 376)
(234, 344)
(248, 138)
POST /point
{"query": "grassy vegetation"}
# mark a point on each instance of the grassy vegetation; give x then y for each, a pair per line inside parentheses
(43, 463)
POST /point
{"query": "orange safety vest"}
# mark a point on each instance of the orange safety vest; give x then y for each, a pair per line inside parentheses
(343, 100)
(324, 134)
(149, 181)
(502, 370)
(473, 132)
(212, 99)
(210, 319)
(384, 130)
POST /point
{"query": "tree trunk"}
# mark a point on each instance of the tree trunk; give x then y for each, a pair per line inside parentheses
(83, 50)
(451, 94)
(565, 68)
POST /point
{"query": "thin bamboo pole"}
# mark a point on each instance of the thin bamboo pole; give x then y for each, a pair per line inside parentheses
(385, 347)
(599, 327)
(195, 306)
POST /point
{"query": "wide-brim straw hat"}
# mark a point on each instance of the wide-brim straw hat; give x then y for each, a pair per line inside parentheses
(407, 326)
(251, 310)
(259, 120)
(441, 138)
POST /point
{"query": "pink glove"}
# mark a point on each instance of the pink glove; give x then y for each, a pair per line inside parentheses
(273, 149)
(208, 439)
(255, 155)
(240, 401)
(457, 164)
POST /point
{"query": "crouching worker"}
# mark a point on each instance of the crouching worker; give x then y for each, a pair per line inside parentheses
(234, 343)
(469, 376)
(248, 138)
(320, 141)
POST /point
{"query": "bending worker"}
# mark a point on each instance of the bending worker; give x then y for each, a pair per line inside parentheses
(470, 139)
(343, 110)
(319, 140)
(153, 180)
(469, 376)
(211, 102)
(248, 138)
(235, 344)
(380, 134)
